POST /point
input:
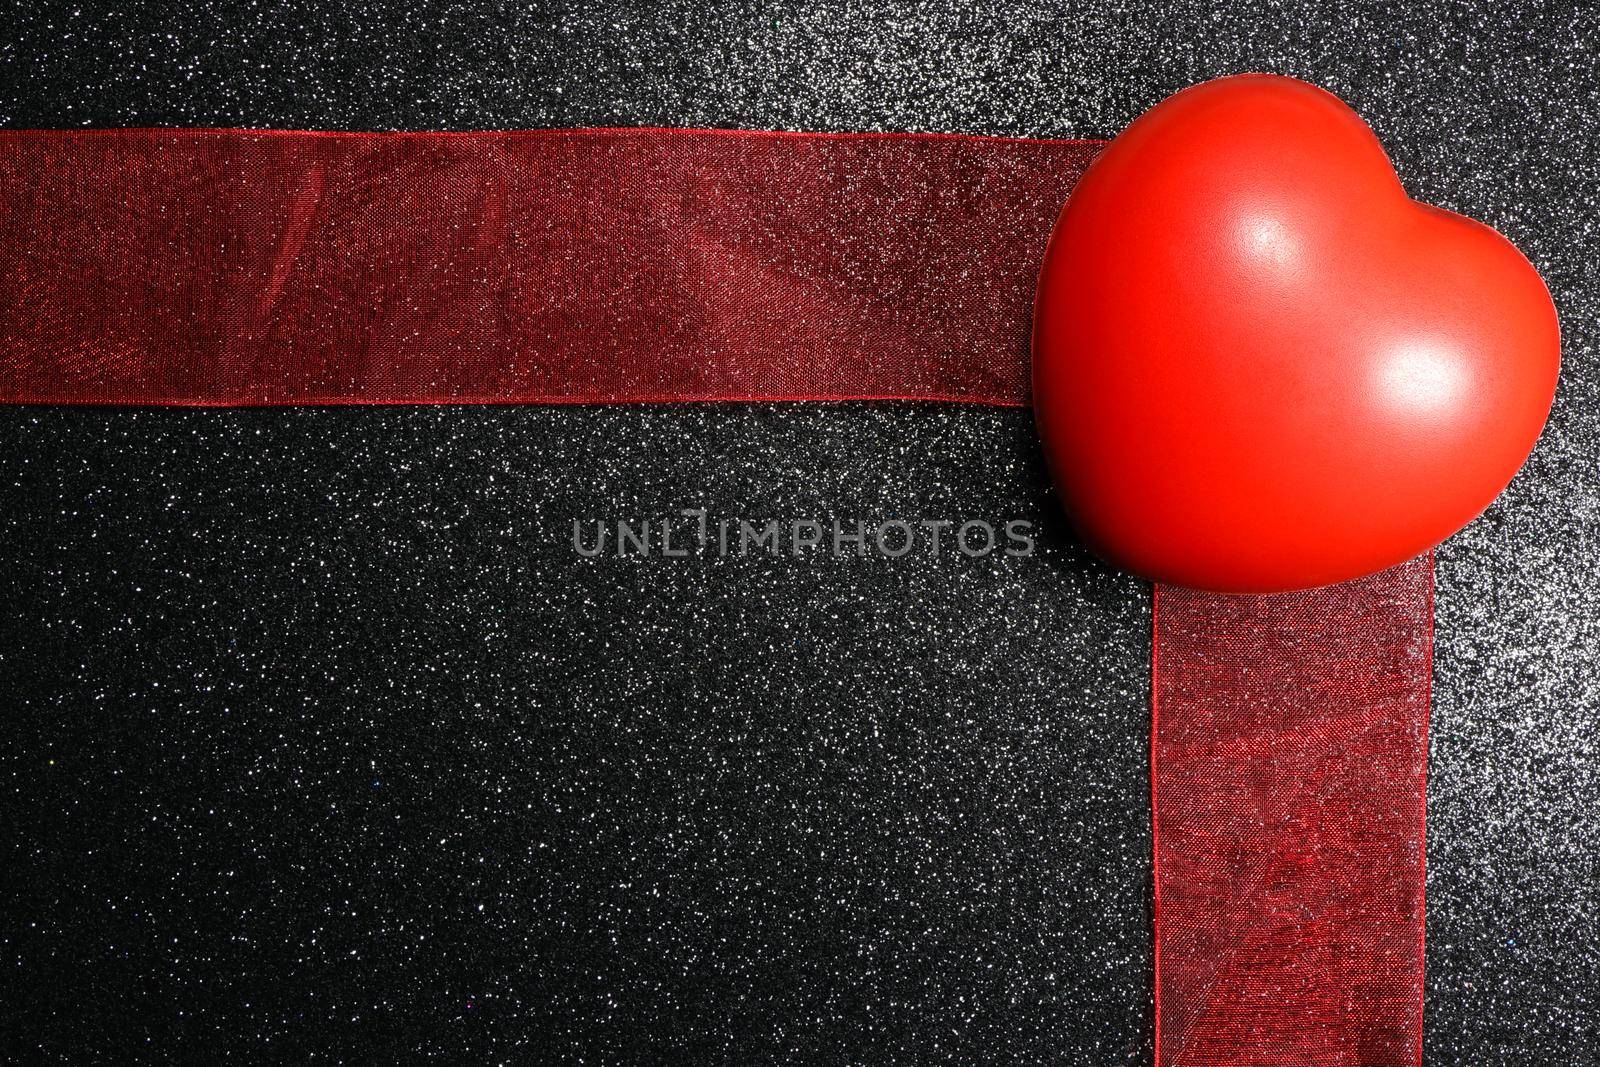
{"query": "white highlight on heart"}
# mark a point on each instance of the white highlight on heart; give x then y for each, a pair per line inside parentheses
(1269, 241)
(1421, 378)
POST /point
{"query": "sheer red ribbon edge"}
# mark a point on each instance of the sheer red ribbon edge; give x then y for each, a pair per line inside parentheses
(242, 268)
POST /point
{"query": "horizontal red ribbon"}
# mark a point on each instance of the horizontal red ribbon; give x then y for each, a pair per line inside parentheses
(240, 267)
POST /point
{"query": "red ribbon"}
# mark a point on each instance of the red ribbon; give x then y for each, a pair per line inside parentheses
(240, 267)
(1289, 756)
(218, 267)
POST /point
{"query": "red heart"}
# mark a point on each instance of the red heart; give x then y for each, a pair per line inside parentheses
(1259, 366)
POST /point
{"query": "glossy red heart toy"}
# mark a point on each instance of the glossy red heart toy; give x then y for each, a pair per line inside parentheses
(1259, 366)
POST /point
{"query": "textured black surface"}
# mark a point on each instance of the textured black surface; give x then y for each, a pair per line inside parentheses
(328, 738)
(318, 685)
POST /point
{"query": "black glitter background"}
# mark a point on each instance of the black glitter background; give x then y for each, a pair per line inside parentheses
(321, 742)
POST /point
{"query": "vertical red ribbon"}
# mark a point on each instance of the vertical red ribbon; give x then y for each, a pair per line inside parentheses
(1289, 755)
(249, 267)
